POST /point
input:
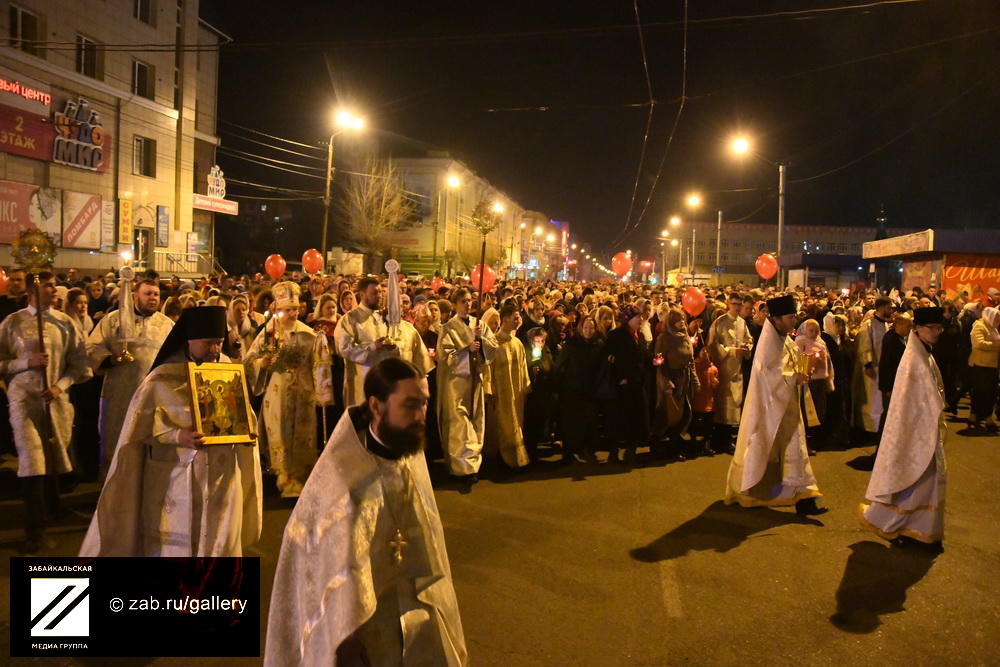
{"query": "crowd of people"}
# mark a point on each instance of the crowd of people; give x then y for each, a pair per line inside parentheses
(484, 382)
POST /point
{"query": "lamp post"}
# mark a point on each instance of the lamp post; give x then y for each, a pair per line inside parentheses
(679, 244)
(345, 120)
(452, 182)
(694, 201)
(741, 146)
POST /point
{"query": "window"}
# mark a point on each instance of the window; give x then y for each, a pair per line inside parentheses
(736, 244)
(144, 157)
(87, 56)
(725, 243)
(143, 10)
(24, 25)
(142, 79)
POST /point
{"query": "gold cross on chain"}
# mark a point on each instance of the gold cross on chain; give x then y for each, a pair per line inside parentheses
(397, 543)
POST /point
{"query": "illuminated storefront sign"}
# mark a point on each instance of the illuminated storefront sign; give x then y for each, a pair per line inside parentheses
(216, 199)
(80, 139)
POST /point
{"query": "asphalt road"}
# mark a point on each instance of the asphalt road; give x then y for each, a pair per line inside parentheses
(596, 565)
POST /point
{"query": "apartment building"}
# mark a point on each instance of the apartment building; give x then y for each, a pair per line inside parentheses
(108, 131)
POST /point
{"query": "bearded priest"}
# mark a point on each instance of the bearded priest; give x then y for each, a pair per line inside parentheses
(906, 491)
(363, 577)
(771, 464)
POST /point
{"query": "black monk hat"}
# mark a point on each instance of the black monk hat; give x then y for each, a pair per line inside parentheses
(929, 315)
(194, 323)
(780, 306)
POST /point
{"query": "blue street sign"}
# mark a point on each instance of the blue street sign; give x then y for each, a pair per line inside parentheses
(718, 269)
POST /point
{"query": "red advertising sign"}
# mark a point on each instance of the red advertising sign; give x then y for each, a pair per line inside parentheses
(974, 274)
(25, 133)
(81, 220)
(24, 206)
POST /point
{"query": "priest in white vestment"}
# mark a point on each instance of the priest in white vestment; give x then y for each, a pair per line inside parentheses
(463, 350)
(771, 464)
(141, 331)
(289, 364)
(509, 384)
(41, 436)
(361, 337)
(729, 343)
(168, 494)
(906, 491)
(865, 394)
(363, 576)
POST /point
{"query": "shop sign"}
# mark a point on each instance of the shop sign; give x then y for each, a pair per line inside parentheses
(24, 93)
(972, 274)
(80, 138)
(26, 206)
(216, 199)
(125, 222)
(162, 227)
(81, 220)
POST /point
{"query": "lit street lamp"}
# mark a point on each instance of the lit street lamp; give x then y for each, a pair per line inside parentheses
(741, 146)
(345, 121)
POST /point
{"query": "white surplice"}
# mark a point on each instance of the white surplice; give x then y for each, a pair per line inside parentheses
(161, 499)
(865, 394)
(67, 366)
(907, 486)
(336, 576)
(356, 335)
(299, 380)
(771, 464)
(460, 402)
(726, 335)
(121, 380)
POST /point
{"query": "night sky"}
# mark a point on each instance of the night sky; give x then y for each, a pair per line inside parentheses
(898, 101)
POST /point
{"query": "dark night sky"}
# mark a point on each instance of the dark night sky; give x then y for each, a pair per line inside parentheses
(429, 74)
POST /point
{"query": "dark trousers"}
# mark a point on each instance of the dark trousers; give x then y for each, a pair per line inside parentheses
(886, 397)
(949, 376)
(983, 389)
(41, 501)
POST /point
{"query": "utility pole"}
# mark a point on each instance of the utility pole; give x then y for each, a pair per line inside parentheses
(718, 245)
(781, 220)
(326, 199)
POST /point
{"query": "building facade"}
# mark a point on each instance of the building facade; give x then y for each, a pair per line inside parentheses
(107, 147)
(740, 244)
(444, 239)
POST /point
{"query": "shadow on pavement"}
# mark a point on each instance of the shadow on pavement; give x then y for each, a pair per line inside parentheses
(875, 582)
(719, 528)
(863, 462)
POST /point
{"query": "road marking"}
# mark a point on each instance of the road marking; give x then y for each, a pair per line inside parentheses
(670, 588)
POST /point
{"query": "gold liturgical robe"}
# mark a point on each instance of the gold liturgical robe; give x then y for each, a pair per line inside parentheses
(726, 335)
(509, 385)
(161, 499)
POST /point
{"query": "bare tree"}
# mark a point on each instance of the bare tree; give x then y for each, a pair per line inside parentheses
(375, 204)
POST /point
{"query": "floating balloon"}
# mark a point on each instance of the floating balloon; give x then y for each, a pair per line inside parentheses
(489, 278)
(766, 266)
(274, 265)
(436, 284)
(693, 301)
(3, 281)
(621, 264)
(312, 261)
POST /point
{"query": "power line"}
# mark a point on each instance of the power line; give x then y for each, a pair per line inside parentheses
(271, 187)
(271, 159)
(272, 136)
(271, 166)
(475, 38)
(271, 146)
(649, 116)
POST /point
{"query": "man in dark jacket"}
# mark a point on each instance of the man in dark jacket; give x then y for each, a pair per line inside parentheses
(948, 355)
(893, 346)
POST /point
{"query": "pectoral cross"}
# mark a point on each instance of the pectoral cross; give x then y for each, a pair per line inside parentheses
(397, 543)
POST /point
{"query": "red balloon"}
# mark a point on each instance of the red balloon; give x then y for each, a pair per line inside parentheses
(489, 278)
(274, 265)
(312, 261)
(436, 284)
(766, 266)
(3, 281)
(621, 264)
(693, 301)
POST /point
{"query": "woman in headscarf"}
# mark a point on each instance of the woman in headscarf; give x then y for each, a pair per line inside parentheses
(242, 325)
(575, 373)
(85, 445)
(605, 322)
(324, 319)
(627, 415)
(983, 362)
(676, 383)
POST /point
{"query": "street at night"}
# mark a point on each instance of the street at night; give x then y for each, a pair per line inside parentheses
(595, 565)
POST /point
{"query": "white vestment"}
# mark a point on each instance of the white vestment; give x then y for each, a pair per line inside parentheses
(299, 379)
(161, 499)
(460, 402)
(356, 335)
(336, 577)
(907, 486)
(771, 464)
(866, 396)
(121, 381)
(67, 366)
(726, 335)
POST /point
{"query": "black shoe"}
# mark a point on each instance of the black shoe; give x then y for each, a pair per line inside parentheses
(808, 507)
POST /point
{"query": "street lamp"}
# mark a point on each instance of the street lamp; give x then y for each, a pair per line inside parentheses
(345, 121)
(679, 244)
(454, 181)
(675, 220)
(694, 200)
(741, 146)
